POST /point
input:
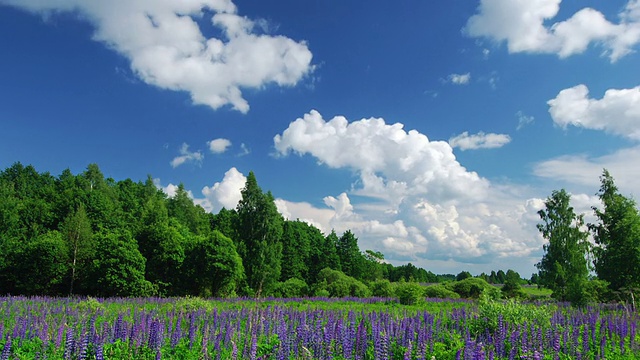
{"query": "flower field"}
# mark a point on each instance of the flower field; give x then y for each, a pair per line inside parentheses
(65, 328)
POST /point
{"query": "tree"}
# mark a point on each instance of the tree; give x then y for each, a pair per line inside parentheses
(463, 275)
(617, 236)
(512, 287)
(563, 267)
(213, 266)
(76, 230)
(259, 232)
(296, 248)
(351, 260)
(118, 268)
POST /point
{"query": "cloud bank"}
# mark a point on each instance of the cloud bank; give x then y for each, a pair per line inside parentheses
(413, 200)
(167, 48)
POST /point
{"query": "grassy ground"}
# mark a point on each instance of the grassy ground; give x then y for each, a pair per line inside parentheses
(533, 290)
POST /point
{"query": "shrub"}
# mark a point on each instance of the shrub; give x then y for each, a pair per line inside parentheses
(440, 291)
(409, 293)
(337, 284)
(291, 288)
(381, 288)
(470, 288)
(512, 312)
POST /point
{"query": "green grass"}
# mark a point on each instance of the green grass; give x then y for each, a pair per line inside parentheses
(536, 292)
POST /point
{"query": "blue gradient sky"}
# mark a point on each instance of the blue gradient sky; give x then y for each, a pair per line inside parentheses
(493, 109)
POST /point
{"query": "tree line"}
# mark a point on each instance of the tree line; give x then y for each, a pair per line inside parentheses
(86, 234)
(591, 262)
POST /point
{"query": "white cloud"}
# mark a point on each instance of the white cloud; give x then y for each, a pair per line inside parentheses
(225, 193)
(218, 146)
(186, 156)
(521, 23)
(584, 171)
(480, 140)
(409, 161)
(618, 112)
(415, 201)
(459, 79)
(167, 48)
(244, 150)
(524, 120)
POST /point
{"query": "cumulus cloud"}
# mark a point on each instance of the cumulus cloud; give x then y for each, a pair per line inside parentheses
(218, 146)
(226, 193)
(166, 47)
(459, 79)
(618, 112)
(522, 24)
(409, 160)
(480, 140)
(415, 200)
(186, 156)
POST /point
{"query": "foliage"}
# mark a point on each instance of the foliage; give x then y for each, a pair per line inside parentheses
(617, 236)
(470, 288)
(292, 288)
(440, 291)
(463, 275)
(337, 284)
(512, 287)
(563, 267)
(409, 293)
(381, 288)
(119, 267)
(492, 315)
(259, 231)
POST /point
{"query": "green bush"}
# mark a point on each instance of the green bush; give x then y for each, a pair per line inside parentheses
(291, 288)
(409, 293)
(440, 291)
(512, 312)
(470, 288)
(337, 284)
(381, 288)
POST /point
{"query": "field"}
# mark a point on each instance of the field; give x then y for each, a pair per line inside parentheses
(192, 328)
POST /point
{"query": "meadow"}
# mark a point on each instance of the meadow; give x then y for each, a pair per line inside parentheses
(317, 328)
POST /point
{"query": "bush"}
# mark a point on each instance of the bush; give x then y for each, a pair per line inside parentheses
(337, 284)
(291, 288)
(470, 288)
(440, 291)
(381, 288)
(512, 313)
(409, 293)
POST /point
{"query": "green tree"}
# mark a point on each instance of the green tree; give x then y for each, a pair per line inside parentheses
(181, 207)
(463, 275)
(512, 287)
(351, 260)
(296, 249)
(617, 235)
(76, 229)
(42, 266)
(259, 232)
(563, 267)
(118, 268)
(213, 266)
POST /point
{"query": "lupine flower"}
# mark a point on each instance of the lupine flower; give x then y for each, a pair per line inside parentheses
(6, 351)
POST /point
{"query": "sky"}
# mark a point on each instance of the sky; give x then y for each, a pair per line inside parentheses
(434, 130)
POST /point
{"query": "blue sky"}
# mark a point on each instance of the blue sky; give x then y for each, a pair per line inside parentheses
(433, 130)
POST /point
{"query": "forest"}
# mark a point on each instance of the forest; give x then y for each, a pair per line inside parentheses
(88, 235)
(85, 234)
